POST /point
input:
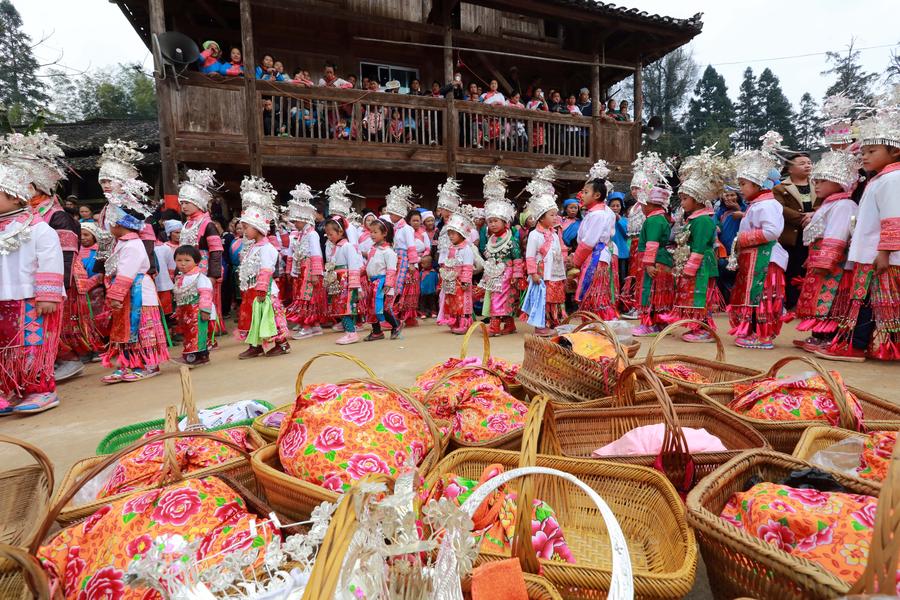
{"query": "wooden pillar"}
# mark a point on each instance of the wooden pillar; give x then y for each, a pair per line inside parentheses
(164, 96)
(451, 135)
(596, 105)
(448, 55)
(254, 109)
(638, 105)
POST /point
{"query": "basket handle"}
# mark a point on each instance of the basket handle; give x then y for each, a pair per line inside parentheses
(34, 575)
(111, 459)
(880, 574)
(38, 455)
(298, 386)
(720, 347)
(622, 580)
(539, 420)
(188, 404)
(453, 372)
(485, 342)
(847, 419)
(171, 469)
(584, 315)
(602, 328)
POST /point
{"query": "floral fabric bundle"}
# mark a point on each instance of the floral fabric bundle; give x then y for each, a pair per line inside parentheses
(876, 455)
(474, 401)
(831, 529)
(88, 561)
(796, 398)
(507, 369)
(336, 434)
(495, 520)
(683, 373)
(144, 467)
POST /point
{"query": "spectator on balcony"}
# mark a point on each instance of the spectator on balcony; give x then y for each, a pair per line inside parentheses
(364, 85)
(436, 89)
(342, 130)
(279, 68)
(415, 88)
(266, 71)
(329, 79)
(455, 87)
(209, 62)
(473, 95)
(556, 104)
(515, 100)
(351, 79)
(623, 112)
(396, 128)
(537, 101)
(272, 124)
(392, 87)
(302, 78)
(493, 96)
(235, 67)
(572, 106)
(584, 102)
(611, 111)
(516, 131)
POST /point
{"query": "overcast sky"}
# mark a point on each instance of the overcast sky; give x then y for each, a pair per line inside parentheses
(749, 33)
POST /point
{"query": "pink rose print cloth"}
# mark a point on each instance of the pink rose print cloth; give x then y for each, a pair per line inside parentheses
(336, 434)
(88, 561)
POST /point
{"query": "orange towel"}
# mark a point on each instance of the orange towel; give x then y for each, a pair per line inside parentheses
(499, 580)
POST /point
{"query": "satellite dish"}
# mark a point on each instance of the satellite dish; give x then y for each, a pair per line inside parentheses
(174, 50)
(653, 129)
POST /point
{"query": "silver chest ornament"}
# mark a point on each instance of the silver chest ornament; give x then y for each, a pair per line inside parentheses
(249, 269)
(190, 233)
(495, 266)
(815, 229)
(186, 294)
(682, 252)
(449, 275)
(332, 284)
(11, 241)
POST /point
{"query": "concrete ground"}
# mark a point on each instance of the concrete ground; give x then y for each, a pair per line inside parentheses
(90, 409)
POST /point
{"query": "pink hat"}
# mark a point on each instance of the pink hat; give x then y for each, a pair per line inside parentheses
(660, 195)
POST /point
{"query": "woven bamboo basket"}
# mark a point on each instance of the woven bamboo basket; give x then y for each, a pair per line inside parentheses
(784, 435)
(821, 437)
(511, 440)
(80, 471)
(296, 498)
(25, 579)
(740, 564)
(716, 371)
(663, 553)
(586, 316)
(513, 388)
(24, 498)
(270, 434)
(551, 370)
(574, 433)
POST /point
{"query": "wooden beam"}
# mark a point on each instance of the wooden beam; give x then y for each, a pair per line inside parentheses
(169, 166)
(448, 55)
(254, 111)
(638, 104)
(212, 13)
(451, 135)
(495, 72)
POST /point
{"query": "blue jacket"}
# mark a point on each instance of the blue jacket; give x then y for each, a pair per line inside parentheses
(266, 76)
(621, 238)
(207, 64)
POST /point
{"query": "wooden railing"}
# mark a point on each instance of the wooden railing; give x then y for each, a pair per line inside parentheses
(415, 132)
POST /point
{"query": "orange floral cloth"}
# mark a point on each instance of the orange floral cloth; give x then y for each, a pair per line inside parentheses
(588, 344)
(683, 373)
(473, 400)
(336, 434)
(830, 529)
(88, 560)
(144, 467)
(796, 398)
(876, 455)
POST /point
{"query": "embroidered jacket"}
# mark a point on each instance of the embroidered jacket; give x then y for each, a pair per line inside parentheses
(33, 268)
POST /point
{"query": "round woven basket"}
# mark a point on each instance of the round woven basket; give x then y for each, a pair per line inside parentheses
(784, 435)
(513, 387)
(24, 496)
(267, 432)
(715, 371)
(23, 578)
(742, 565)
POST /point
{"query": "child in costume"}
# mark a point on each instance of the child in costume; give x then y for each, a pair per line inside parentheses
(545, 253)
(872, 325)
(757, 299)
(310, 303)
(407, 287)
(457, 267)
(503, 264)
(381, 270)
(657, 283)
(448, 202)
(365, 238)
(93, 287)
(595, 291)
(31, 297)
(696, 266)
(194, 196)
(342, 279)
(340, 205)
(137, 339)
(828, 236)
(261, 321)
(165, 259)
(193, 292)
(428, 288)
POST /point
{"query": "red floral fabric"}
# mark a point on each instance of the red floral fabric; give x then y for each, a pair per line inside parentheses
(876, 455)
(88, 561)
(795, 398)
(682, 372)
(336, 434)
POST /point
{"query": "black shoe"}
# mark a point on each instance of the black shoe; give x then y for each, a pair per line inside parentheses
(395, 332)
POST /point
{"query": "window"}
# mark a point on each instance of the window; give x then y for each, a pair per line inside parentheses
(384, 73)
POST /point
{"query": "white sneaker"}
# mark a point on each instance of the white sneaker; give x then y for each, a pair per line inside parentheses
(338, 327)
(348, 338)
(631, 315)
(301, 334)
(67, 369)
(313, 331)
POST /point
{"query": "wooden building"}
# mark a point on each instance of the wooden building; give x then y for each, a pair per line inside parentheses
(227, 124)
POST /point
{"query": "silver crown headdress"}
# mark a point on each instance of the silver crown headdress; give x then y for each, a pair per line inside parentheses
(883, 127)
(649, 171)
(755, 165)
(399, 200)
(839, 166)
(300, 207)
(14, 180)
(339, 201)
(462, 221)
(601, 170)
(117, 160)
(40, 155)
(837, 124)
(543, 195)
(496, 204)
(703, 175)
(198, 188)
(448, 195)
(132, 195)
(257, 203)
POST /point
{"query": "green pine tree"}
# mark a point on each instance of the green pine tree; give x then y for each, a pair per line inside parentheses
(22, 92)
(851, 79)
(747, 109)
(711, 114)
(776, 112)
(808, 123)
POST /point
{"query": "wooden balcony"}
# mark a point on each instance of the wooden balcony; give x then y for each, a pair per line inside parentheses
(211, 125)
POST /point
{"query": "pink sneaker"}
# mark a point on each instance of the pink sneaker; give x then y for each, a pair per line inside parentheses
(698, 337)
(348, 338)
(645, 331)
(6, 407)
(36, 403)
(754, 343)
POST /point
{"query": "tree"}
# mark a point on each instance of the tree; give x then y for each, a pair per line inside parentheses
(22, 92)
(893, 70)
(850, 77)
(808, 123)
(666, 87)
(711, 114)
(64, 96)
(776, 112)
(747, 109)
(120, 92)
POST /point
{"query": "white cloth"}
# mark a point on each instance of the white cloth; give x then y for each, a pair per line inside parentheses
(165, 257)
(41, 253)
(130, 260)
(346, 255)
(404, 237)
(881, 200)
(598, 226)
(554, 256)
(383, 260)
(353, 233)
(768, 216)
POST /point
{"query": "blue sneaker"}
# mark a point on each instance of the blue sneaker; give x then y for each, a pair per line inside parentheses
(37, 403)
(6, 407)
